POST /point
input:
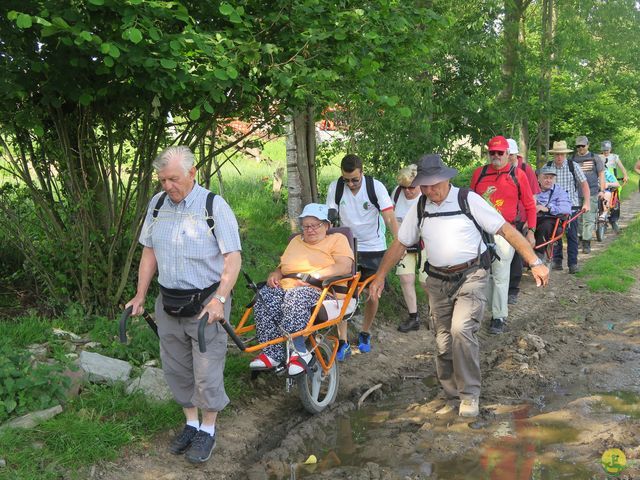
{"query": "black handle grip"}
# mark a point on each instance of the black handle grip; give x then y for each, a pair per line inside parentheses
(123, 323)
(202, 344)
(231, 332)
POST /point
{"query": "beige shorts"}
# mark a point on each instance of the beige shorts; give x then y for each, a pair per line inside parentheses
(409, 263)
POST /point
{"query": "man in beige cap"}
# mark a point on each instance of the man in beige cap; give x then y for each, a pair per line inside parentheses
(450, 224)
(569, 176)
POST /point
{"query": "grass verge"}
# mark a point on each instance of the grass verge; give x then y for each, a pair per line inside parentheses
(613, 269)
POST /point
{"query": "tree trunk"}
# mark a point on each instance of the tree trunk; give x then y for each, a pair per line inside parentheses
(301, 172)
(544, 93)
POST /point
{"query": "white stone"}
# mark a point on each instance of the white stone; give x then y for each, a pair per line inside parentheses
(104, 369)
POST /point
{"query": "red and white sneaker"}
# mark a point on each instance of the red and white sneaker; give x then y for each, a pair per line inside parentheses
(298, 363)
(263, 362)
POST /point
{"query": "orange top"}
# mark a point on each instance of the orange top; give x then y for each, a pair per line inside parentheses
(302, 257)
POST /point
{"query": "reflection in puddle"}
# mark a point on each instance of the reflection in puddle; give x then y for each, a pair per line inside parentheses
(626, 403)
(513, 447)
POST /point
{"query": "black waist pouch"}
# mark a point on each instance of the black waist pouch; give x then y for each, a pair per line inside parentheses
(185, 303)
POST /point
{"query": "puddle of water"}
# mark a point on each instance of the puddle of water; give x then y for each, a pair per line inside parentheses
(626, 403)
(395, 436)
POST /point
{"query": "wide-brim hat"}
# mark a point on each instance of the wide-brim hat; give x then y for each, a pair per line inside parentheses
(432, 170)
(560, 147)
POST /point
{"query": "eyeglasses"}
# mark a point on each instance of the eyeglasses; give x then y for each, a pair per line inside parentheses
(355, 181)
(410, 187)
(312, 227)
(499, 153)
(580, 146)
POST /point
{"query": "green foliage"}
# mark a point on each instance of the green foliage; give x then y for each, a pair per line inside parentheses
(27, 386)
(93, 427)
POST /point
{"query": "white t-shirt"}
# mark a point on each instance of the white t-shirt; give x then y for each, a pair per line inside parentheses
(403, 204)
(609, 160)
(451, 240)
(359, 214)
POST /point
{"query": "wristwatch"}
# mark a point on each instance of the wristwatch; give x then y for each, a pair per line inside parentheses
(220, 298)
(536, 263)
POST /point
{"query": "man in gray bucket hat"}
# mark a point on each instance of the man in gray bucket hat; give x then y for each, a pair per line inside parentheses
(450, 221)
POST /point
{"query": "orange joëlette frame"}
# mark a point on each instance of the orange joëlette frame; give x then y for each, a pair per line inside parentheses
(554, 235)
(355, 287)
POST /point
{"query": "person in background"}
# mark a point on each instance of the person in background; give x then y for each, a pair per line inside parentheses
(366, 208)
(569, 176)
(404, 196)
(515, 274)
(593, 168)
(503, 187)
(552, 202)
(612, 161)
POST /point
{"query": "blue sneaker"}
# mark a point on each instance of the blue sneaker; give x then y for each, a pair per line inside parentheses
(344, 352)
(364, 342)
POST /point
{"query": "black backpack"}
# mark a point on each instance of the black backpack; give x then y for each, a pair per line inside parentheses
(209, 208)
(512, 174)
(334, 217)
(463, 204)
(572, 169)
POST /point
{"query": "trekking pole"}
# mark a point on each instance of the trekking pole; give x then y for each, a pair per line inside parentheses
(123, 323)
(202, 344)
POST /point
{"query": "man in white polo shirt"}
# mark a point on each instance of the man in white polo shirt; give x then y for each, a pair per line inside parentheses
(364, 206)
(457, 273)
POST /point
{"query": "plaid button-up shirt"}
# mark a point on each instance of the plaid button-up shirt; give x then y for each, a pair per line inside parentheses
(188, 254)
(566, 180)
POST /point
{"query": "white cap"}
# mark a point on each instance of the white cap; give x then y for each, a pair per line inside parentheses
(513, 146)
(318, 210)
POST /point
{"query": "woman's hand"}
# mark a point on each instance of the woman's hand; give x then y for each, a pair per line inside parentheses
(274, 278)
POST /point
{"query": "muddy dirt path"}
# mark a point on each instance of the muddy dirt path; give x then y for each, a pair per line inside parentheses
(560, 387)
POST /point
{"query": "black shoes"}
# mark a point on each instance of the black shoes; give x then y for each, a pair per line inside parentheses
(512, 299)
(181, 442)
(496, 327)
(201, 447)
(573, 269)
(615, 227)
(586, 246)
(556, 266)
(409, 324)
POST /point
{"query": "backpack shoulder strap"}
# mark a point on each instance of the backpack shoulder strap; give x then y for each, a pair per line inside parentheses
(159, 204)
(396, 194)
(339, 192)
(463, 203)
(209, 207)
(371, 191)
(514, 177)
(422, 202)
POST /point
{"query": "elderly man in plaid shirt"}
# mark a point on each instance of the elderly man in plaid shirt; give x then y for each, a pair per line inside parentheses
(570, 181)
(190, 236)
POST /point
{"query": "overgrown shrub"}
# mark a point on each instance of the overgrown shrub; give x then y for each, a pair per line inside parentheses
(27, 386)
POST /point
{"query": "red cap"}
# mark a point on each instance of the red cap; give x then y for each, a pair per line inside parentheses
(498, 143)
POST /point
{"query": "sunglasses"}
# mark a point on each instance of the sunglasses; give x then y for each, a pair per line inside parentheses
(580, 146)
(499, 153)
(351, 180)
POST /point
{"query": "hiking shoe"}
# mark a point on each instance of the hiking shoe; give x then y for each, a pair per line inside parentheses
(573, 269)
(448, 407)
(556, 266)
(364, 342)
(586, 246)
(469, 407)
(344, 352)
(181, 442)
(512, 299)
(409, 324)
(615, 227)
(201, 447)
(497, 326)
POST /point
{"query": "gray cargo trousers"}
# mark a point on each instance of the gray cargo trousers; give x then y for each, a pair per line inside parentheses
(195, 379)
(456, 318)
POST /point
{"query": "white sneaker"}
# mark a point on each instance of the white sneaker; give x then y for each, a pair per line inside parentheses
(297, 363)
(448, 407)
(469, 407)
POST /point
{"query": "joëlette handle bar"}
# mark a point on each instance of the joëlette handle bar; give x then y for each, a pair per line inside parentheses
(202, 344)
(123, 323)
